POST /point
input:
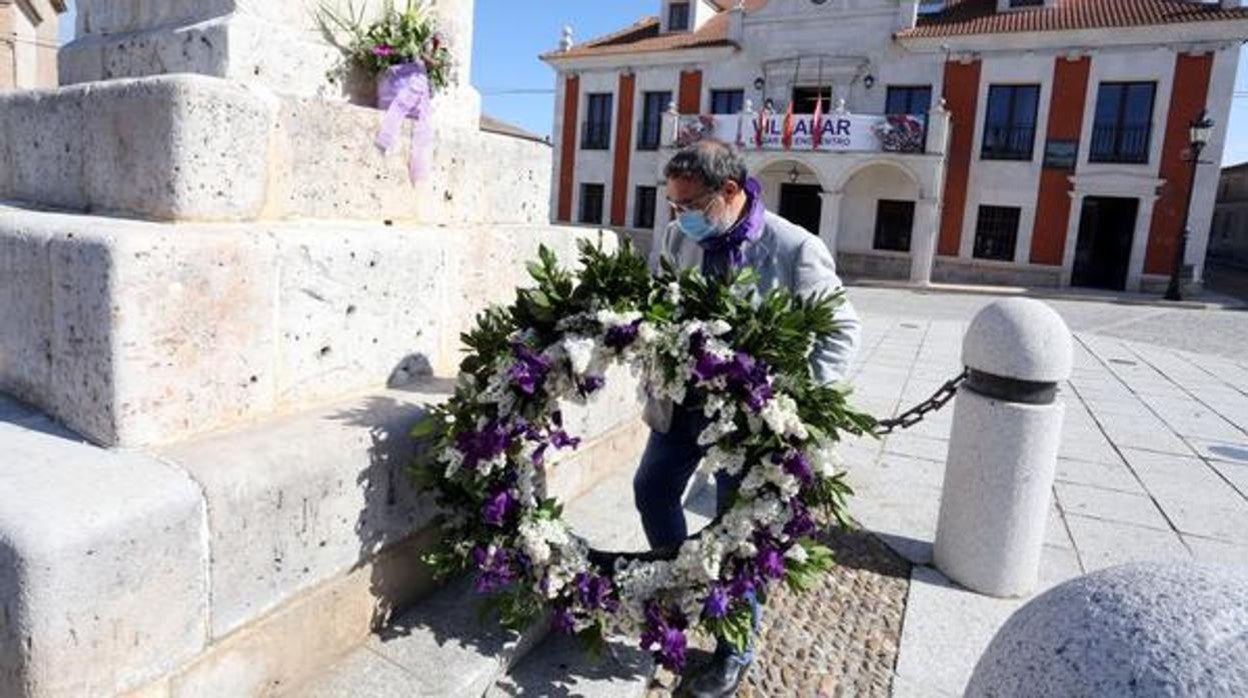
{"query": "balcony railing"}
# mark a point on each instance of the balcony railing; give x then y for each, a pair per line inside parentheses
(1122, 144)
(1008, 142)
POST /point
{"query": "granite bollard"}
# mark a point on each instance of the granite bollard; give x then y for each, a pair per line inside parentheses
(1143, 629)
(1007, 426)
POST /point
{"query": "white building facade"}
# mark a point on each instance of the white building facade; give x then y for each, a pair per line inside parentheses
(1052, 142)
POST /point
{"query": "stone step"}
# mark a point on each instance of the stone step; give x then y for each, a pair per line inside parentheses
(560, 666)
(442, 647)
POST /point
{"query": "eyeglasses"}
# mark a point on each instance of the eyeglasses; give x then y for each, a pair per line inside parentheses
(700, 204)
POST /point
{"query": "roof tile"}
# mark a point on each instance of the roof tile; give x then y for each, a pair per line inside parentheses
(964, 17)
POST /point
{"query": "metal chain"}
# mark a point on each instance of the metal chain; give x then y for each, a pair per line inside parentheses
(915, 414)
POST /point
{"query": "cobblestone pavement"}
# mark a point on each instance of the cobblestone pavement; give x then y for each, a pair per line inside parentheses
(838, 640)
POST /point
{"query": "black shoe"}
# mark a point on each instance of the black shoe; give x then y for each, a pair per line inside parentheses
(719, 679)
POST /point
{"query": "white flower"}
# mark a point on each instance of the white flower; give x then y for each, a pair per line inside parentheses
(797, 554)
(780, 415)
(580, 351)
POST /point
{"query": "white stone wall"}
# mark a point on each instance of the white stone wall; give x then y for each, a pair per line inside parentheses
(221, 324)
(197, 148)
(1008, 182)
(862, 194)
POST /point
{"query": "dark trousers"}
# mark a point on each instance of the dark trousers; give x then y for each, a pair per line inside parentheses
(668, 463)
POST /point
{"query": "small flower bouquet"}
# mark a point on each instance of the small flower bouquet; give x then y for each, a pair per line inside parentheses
(403, 50)
(397, 37)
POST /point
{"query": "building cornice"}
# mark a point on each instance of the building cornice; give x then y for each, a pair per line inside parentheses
(679, 57)
(1191, 33)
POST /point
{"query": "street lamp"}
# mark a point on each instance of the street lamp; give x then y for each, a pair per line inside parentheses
(1198, 132)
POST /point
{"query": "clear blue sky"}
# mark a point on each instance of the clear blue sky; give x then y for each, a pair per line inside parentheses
(511, 34)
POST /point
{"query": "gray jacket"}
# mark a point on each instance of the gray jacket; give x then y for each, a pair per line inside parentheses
(786, 256)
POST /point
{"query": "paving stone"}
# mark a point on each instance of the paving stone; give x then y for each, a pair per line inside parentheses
(1110, 504)
(1172, 479)
(441, 647)
(561, 666)
(1104, 543)
(1109, 476)
(946, 630)
(1216, 552)
(915, 446)
(1235, 473)
(1057, 565)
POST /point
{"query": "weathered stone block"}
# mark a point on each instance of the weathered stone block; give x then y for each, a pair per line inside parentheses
(159, 332)
(25, 313)
(303, 499)
(361, 305)
(103, 566)
(276, 43)
(194, 148)
(168, 148)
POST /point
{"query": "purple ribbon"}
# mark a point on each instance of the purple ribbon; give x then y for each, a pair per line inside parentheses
(730, 247)
(404, 94)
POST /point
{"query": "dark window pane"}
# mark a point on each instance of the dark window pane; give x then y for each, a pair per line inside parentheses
(591, 203)
(643, 209)
(596, 134)
(894, 221)
(727, 101)
(1026, 100)
(1138, 108)
(678, 17)
(804, 99)
(1122, 128)
(654, 105)
(996, 233)
(908, 100)
(1010, 122)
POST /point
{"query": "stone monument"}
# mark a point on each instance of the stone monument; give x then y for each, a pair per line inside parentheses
(221, 310)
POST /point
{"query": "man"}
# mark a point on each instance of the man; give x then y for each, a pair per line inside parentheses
(721, 225)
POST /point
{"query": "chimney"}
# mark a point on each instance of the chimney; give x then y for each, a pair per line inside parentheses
(736, 23)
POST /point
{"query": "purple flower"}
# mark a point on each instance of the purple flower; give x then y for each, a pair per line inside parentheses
(672, 649)
(561, 439)
(530, 369)
(383, 51)
(802, 525)
(709, 367)
(594, 592)
(563, 622)
(494, 570)
(798, 465)
(590, 384)
(498, 508)
(621, 336)
(716, 605)
(484, 445)
(665, 636)
(771, 563)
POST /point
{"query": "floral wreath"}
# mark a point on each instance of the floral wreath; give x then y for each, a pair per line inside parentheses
(714, 346)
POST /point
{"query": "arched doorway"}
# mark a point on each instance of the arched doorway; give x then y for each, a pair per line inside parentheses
(793, 190)
(876, 222)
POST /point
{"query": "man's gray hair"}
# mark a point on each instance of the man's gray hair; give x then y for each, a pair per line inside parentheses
(713, 163)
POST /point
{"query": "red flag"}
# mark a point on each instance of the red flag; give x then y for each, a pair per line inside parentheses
(760, 128)
(817, 134)
(787, 138)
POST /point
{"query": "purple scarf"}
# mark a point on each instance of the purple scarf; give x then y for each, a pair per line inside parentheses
(725, 252)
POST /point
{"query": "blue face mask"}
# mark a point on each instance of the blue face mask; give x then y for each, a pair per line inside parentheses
(696, 225)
